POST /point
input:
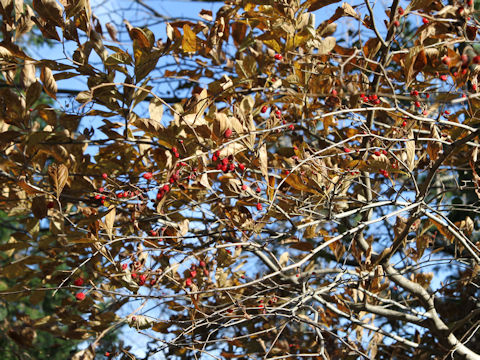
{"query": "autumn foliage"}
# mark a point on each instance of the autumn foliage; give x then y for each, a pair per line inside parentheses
(298, 193)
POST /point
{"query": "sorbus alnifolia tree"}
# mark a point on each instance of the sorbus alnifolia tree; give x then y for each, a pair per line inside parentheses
(342, 223)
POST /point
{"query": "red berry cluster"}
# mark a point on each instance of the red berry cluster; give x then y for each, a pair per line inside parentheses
(163, 190)
(226, 164)
(175, 152)
(373, 99)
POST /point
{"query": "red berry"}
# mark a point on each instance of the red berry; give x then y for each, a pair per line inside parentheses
(97, 197)
(214, 158)
(401, 11)
(101, 189)
(244, 187)
(258, 189)
(417, 104)
(384, 152)
(241, 167)
(188, 282)
(153, 233)
(124, 266)
(134, 275)
(377, 153)
(153, 282)
(259, 207)
(166, 188)
(231, 167)
(78, 282)
(147, 175)
(396, 23)
(476, 59)
(291, 127)
(446, 60)
(414, 93)
(225, 168)
(278, 113)
(425, 21)
(264, 109)
(107, 353)
(404, 124)
(105, 176)
(202, 264)
(142, 278)
(443, 77)
(80, 296)
(278, 57)
(334, 92)
(227, 133)
(347, 150)
(193, 273)
(225, 161)
(174, 149)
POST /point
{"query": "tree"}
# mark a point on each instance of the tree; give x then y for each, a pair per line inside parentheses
(295, 194)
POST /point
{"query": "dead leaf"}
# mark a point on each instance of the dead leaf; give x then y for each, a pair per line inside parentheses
(263, 157)
(59, 176)
(49, 83)
(109, 220)
(410, 152)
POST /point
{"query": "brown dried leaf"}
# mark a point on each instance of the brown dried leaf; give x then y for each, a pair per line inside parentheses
(156, 110)
(326, 45)
(141, 38)
(49, 10)
(109, 220)
(49, 83)
(318, 4)
(27, 76)
(29, 189)
(263, 157)
(112, 31)
(410, 152)
(33, 93)
(59, 176)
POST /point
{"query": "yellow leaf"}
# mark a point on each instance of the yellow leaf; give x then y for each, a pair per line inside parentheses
(189, 41)
(271, 187)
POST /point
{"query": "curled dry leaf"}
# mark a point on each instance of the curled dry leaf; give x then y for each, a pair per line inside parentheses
(49, 83)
